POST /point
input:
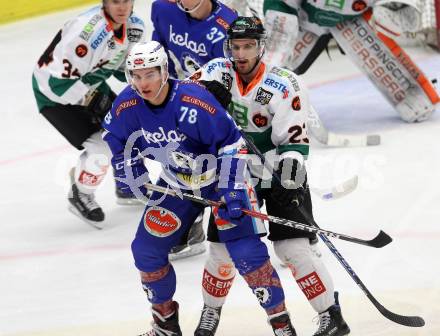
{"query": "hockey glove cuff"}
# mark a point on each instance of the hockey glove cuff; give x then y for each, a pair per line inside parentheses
(234, 201)
(292, 190)
(126, 183)
(219, 91)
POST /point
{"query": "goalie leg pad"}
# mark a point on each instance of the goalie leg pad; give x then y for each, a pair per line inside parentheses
(388, 67)
(308, 270)
(218, 275)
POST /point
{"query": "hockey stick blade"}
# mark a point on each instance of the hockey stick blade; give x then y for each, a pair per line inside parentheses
(337, 191)
(325, 137)
(381, 240)
(409, 321)
(345, 140)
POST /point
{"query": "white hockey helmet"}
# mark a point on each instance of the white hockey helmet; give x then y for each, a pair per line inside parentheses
(145, 55)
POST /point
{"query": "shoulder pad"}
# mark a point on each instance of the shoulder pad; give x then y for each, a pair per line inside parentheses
(126, 99)
(217, 63)
(286, 75)
(89, 22)
(195, 94)
(134, 19)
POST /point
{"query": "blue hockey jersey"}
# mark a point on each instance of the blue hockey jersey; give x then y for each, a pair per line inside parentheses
(186, 134)
(190, 43)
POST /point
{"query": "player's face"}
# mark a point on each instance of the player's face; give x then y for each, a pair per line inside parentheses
(147, 82)
(119, 10)
(245, 54)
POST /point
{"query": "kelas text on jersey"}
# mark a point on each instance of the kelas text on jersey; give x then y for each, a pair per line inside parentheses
(184, 41)
(161, 136)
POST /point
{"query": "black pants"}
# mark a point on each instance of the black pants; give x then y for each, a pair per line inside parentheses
(276, 231)
(74, 122)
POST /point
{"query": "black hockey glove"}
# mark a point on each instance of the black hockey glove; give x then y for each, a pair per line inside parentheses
(100, 104)
(294, 183)
(219, 91)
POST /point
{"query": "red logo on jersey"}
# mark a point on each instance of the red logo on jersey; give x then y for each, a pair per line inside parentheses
(359, 6)
(222, 22)
(161, 222)
(311, 285)
(198, 102)
(126, 104)
(296, 103)
(81, 50)
(259, 120)
(215, 286)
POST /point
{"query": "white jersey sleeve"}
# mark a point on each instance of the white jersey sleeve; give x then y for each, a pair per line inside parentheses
(84, 54)
(290, 109)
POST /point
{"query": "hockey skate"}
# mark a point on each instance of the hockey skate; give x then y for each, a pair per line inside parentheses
(281, 324)
(195, 244)
(209, 321)
(165, 326)
(331, 322)
(84, 206)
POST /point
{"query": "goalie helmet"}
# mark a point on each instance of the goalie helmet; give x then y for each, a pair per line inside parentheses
(245, 27)
(145, 55)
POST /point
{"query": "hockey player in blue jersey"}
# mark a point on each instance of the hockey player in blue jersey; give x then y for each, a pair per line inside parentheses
(177, 123)
(191, 31)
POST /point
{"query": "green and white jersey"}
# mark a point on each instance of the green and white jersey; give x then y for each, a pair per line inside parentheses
(83, 54)
(318, 14)
(272, 109)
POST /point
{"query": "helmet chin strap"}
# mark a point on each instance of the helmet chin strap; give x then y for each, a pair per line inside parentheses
(164, 81)
(186, 10)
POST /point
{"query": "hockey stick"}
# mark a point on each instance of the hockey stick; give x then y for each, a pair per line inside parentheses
(379, 241)
(409, 321)
(325, 137)
(337, 191)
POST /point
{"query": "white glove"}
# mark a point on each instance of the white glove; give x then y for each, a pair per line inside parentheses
(394, 22)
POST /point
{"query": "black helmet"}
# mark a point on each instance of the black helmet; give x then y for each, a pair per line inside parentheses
(246, 27)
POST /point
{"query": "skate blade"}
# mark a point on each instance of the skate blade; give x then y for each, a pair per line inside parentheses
(129, 202)
(96, 225)
(189, 251)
